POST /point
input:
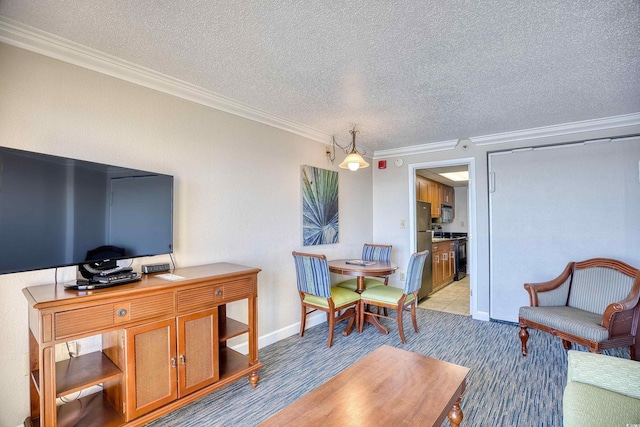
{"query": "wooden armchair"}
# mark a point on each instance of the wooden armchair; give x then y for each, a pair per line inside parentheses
(593, 303)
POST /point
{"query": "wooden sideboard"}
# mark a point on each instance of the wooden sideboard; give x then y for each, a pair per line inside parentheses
(164, 345)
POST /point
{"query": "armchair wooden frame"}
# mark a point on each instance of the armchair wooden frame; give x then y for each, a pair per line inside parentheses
(619, 318)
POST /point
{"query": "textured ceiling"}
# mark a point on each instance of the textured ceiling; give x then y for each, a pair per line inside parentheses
(405, 72)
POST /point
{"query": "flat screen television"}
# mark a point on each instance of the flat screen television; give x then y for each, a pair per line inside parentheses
(57, 211)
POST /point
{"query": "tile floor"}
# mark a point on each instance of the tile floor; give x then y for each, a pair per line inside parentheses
(453, 298)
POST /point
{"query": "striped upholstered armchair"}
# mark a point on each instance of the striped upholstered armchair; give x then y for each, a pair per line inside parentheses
(593, 303)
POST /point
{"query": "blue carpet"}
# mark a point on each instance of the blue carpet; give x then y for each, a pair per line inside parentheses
(503, 388)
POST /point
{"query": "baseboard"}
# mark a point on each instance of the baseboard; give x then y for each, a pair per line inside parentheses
(481, 315)
(283, 333)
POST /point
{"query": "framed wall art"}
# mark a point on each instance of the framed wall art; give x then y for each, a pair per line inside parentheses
(319, 206)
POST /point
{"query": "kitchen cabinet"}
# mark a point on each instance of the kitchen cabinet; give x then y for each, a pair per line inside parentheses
(434, 193)
(422, 189)
(443, 263)
(164, 345)
(448, 196)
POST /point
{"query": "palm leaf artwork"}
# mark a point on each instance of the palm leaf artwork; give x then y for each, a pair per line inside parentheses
(319, 206)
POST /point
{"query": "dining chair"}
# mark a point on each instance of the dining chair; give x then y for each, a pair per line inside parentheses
(396, 298)
(371, 252)
(316, 293)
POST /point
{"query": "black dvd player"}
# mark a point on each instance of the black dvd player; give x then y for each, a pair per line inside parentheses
(99, 282)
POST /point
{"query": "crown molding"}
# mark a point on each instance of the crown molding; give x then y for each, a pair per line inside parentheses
(17, 34)
(560, 130)
(416, 149)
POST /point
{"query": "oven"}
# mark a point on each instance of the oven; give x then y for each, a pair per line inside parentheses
(461, 259)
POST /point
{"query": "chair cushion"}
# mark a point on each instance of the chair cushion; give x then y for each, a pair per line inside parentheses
(571, 320)
(594, 288)
(607, 372)
(385, 294)
(587, 405)
(340, 297)
(353, 283)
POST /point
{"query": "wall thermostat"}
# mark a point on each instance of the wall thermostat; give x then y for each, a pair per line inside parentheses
(399, 162)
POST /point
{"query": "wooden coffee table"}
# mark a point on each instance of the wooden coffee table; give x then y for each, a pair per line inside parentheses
(388, 387)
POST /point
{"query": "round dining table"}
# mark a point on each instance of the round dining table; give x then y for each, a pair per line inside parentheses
(362, 269)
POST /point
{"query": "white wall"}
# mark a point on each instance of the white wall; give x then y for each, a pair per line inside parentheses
(237, 186)
(549, 207)
(393, 186)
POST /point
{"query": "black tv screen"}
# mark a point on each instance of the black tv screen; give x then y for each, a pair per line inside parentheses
(56, 210)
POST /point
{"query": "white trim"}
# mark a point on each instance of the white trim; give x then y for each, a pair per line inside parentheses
(416, 149)
(283, 333)
(472, 244)
(605, 123)
(482, 315)
(17, 34)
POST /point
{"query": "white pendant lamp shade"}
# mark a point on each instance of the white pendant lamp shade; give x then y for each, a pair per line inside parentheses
(353, 161)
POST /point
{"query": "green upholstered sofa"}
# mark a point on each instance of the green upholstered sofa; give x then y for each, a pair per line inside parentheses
(601, 391)
(593, 303)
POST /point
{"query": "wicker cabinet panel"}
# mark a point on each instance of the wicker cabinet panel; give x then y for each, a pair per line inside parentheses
(151, 367)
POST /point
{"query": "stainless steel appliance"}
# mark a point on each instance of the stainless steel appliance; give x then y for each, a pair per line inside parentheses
(424, 237)
(461, 258)
(447, 214)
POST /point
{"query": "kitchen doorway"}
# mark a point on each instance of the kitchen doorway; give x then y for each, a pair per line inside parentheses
(453, 294)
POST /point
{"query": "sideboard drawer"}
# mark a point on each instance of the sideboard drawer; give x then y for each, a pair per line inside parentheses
(200, 298)
(238, 289)
(81, 320)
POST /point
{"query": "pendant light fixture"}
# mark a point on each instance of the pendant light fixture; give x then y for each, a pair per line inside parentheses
(354, 160)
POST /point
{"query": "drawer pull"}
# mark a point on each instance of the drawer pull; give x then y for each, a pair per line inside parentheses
(173, 362)
(218, 293)
(182, 361)
(122, 312)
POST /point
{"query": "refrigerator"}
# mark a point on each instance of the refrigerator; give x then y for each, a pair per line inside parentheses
(424, 236)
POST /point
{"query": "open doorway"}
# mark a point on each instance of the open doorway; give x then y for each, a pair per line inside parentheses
(452, 203)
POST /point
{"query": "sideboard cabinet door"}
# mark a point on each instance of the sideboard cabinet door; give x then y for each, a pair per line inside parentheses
(151, 367)
(197, 350)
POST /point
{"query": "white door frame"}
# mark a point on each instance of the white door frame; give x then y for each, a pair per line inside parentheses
(472, 247)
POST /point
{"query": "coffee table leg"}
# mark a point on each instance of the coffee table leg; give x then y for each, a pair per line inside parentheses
(455, 414)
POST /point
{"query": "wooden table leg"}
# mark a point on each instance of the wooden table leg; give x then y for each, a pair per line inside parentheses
(455, 414)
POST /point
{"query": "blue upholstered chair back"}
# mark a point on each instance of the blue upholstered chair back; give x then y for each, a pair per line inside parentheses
(312, 273)
(414, 272)
(376, 252)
